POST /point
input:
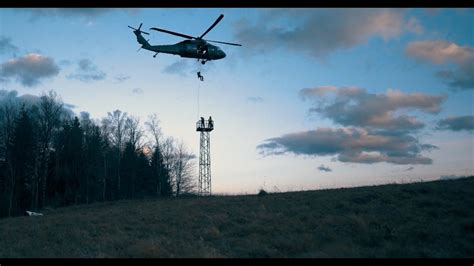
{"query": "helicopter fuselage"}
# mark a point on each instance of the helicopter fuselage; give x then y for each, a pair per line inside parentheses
(198, 49)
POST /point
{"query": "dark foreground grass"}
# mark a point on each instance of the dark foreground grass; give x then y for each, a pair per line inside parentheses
(432, 219)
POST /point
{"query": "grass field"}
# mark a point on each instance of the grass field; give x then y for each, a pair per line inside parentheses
(431, 219)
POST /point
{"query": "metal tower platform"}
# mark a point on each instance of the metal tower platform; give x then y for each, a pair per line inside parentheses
(205, 127)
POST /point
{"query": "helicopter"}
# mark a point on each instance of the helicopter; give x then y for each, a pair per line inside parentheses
(194, 47)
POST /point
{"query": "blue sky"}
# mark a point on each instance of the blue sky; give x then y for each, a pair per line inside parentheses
(379, 83)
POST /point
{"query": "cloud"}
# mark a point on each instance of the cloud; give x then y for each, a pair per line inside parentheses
(6, 45)
(255, 99)
(65, 63)
(178, 68)
(319, 32)
(30, 69)
(28, 100)
(354, 145)
(87, 14)
(457, 123)
(440, 52)
(413, 25)
(353, 106)
(122, 78)
(373, 129)
(324, 168)
(6, 94)
(70, 106)
(443, 52)
(137, 91)
(461, 79)
(451, 177)
(12, 96)
(86, 71)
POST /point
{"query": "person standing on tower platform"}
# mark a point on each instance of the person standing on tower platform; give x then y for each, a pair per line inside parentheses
(211, 123)
(202, 122)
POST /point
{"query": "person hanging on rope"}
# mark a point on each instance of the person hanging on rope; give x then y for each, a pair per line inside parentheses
(200, 76)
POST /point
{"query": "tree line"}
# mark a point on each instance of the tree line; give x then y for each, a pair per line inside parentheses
(51, 157)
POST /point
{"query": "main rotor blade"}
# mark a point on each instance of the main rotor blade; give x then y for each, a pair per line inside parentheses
(132, 28)
(173, 33)
(229, 43)
(212, 26)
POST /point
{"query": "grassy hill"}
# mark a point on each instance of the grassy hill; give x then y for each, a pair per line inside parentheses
(431, 219)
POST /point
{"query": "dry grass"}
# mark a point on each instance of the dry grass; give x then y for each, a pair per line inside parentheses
(433, 219)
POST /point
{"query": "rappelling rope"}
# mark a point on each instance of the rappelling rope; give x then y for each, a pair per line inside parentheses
(199, 69)
(199, 87)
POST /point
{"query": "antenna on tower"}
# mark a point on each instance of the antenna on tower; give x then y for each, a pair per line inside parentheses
(205, 127)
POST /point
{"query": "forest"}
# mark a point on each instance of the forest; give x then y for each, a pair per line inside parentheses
(51, 157)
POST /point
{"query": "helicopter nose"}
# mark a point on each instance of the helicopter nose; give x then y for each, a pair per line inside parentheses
(222, 54)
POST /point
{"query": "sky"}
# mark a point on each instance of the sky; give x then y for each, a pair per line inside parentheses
(315, 98)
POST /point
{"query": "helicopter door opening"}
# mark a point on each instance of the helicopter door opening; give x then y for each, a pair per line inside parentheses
(202, 50)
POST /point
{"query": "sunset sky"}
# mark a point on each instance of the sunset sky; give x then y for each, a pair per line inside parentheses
(315, 98)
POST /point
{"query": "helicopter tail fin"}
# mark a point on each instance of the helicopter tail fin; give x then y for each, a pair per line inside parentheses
(142, 41)
(140, 38)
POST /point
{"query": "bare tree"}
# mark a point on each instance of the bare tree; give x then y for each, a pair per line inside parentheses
(105, 129)
(153, 126)
(115, 122)
(134, 132)
(8, 114)
(167, 150)
(49, 117)
(95, 147)
(183, 166)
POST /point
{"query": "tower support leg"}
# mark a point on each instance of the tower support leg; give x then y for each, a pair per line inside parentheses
(204, 186)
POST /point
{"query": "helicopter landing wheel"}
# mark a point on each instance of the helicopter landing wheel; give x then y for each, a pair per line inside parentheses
(203, 62)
